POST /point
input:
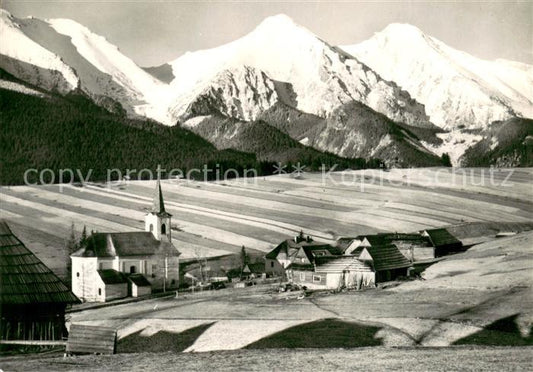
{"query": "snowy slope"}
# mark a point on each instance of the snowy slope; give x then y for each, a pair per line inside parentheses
(456, 88)
(15, 45)
(321, 77)
(86, 60)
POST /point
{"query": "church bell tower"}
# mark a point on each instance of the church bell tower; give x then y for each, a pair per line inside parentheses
(158, 220)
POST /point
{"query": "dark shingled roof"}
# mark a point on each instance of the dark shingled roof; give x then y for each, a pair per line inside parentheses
(136, 243)
(387, 257)
(441, 237)
(24, 279)
(110, 276)
(139, 280)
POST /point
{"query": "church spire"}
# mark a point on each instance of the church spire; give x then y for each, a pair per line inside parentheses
(158, 205)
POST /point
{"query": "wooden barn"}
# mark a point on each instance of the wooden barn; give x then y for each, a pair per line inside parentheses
(415, 247)
(32, 298)
(443, 242)
(386, 261)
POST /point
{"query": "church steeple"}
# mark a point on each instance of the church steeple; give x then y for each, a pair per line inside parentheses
(158, 220)
(158, 205)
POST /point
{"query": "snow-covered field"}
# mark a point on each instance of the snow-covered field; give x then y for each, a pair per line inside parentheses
(219, 217)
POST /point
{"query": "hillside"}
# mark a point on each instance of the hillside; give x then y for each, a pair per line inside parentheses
(507, 143)
(73, 133)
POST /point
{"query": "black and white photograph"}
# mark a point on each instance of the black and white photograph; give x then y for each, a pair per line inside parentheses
(249, 185)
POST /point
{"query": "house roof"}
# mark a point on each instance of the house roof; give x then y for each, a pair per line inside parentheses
(254, 268)
(291, 248)
(110, 276)
(139, 280)
(339, 264)
(387, 257)
(24, 278)
(441, 237)
(135, 243)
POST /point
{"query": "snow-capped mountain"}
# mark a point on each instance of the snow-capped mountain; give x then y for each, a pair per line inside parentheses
(62, 55)
(401, 96)
(319, 78)
(457, 89)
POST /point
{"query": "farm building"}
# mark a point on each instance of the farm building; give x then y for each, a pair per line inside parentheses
(414, 247)
(299, 249)
(386, 261)
(101, 269)
(443, 242)
(32, 298)
(334, 272)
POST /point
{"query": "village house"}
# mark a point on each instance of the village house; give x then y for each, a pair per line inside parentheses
(334, 272)
(367, 266)
(301, 249)
(32, 298)
(116, 265)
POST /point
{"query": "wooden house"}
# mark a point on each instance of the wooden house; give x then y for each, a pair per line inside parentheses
(443, 242)
(32, 298)
(335, 273)
(100, 268)
(298, 250)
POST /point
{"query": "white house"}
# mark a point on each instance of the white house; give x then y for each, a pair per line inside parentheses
(109, 266)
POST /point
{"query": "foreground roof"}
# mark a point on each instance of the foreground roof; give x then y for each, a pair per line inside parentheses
(25, 279)
(137, 243)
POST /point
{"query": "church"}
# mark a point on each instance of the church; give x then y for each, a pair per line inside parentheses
(114, 265)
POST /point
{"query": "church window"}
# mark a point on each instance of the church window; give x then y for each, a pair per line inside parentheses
(133, 269)
(151, 227)
(163, 229)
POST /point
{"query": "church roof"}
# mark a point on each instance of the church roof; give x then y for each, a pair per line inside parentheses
(158, 204)
(135, 243)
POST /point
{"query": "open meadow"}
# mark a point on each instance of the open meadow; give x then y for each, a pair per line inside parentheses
(473, 305)
(217, 218)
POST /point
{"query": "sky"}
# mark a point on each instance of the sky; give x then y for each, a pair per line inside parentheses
(154, 32)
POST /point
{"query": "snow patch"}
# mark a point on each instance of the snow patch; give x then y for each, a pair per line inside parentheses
(454, 143)
(194, 122)
(16, 87)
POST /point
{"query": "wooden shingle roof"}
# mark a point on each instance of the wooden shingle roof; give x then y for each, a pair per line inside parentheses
(24, 278)
(387, 257)
(442, 237)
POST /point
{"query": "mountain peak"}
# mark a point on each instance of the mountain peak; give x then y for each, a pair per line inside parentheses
(401, 31)
(277, 21)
